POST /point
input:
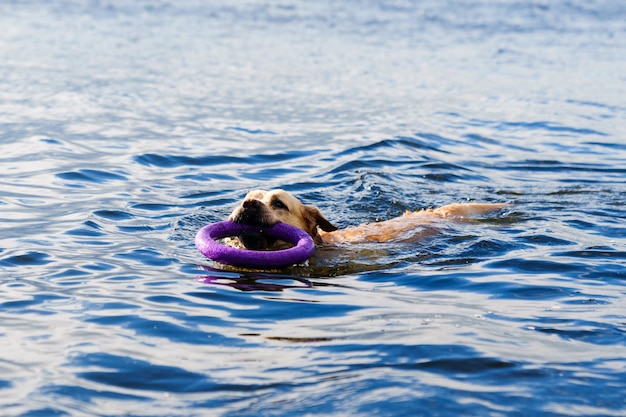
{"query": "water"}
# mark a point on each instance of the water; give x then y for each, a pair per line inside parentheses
(125, 126)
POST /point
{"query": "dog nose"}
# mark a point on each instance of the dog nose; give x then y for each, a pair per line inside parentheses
(251, 204)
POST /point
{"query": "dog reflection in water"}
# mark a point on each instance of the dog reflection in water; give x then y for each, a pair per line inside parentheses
(256, 282)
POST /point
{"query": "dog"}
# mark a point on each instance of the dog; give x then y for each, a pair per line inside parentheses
(266, 208)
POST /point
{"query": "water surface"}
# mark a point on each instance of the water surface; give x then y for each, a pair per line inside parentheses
(127, 126)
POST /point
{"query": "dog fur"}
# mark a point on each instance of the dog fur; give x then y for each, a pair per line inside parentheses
(266, 208)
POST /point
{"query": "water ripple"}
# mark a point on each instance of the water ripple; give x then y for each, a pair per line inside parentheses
(131, 373)
(91, 175)
(173, 161)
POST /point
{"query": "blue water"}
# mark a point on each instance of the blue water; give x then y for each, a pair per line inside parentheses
(125, 126)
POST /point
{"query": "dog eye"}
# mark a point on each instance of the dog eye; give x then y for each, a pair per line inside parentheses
(279, 205)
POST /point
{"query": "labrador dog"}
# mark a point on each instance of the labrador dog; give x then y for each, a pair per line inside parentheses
(266, 208)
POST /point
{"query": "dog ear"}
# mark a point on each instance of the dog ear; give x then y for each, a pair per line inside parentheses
(316, 218)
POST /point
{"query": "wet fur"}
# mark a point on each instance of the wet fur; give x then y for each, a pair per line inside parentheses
(266, 208)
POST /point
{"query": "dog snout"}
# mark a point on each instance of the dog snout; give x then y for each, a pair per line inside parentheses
(251, 204)
(254, 212)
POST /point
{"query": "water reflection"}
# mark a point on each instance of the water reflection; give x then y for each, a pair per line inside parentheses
(255, 281)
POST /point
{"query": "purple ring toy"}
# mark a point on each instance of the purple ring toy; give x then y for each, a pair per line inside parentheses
(209, 247)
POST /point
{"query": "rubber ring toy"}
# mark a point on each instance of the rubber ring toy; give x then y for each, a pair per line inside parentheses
(209, 247)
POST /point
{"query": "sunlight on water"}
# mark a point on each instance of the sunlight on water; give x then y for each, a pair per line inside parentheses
(127, 126)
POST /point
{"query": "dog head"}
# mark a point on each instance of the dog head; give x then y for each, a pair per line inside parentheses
(266, 208)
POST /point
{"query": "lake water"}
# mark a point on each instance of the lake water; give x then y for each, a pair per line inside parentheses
(125, 126)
